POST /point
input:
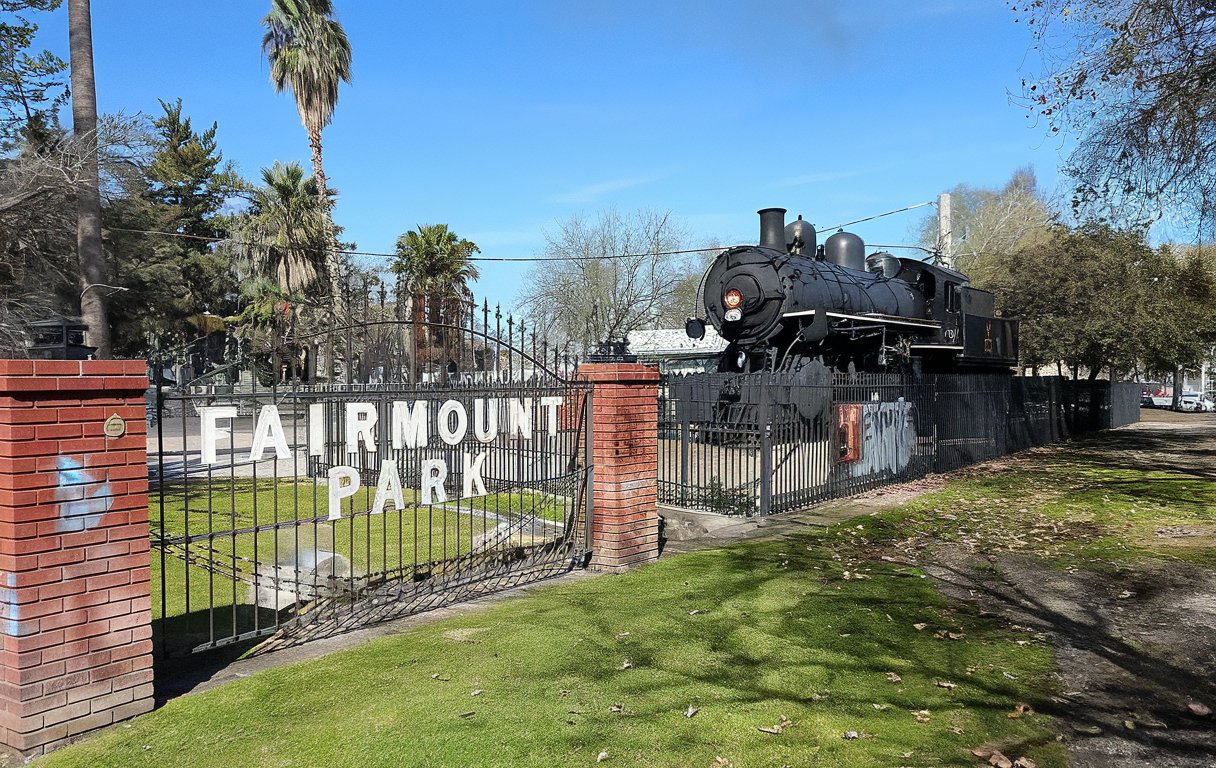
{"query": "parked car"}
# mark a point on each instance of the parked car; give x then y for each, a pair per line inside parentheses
(1193, 402)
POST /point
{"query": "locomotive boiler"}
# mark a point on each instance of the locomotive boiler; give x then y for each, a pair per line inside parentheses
(788, 302)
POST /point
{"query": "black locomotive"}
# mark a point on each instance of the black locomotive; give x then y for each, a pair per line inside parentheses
(788, 302)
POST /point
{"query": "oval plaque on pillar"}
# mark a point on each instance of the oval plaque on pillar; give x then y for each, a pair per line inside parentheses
(115, 426)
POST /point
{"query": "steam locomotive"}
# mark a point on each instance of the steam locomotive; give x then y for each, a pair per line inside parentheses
(788, 302)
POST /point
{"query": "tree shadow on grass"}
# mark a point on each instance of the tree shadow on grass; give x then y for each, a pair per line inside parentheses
(1150, 449)
(765, 624)
(1123, 679)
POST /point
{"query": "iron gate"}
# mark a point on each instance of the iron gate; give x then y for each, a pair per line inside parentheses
(429, 462)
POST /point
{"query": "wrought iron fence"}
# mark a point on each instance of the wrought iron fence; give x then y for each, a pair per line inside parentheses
(349, 474)
(756, 444)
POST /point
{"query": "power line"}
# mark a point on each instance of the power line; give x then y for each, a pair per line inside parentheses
(879, 216)
(347, 251)
(501, 259)
(598, 258)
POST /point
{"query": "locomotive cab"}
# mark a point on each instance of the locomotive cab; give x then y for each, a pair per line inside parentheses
(970, 333)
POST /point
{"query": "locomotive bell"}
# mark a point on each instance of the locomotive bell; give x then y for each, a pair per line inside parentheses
(800, 237)
(845, 249)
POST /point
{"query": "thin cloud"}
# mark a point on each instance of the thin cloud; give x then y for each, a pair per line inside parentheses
(593, 192)
(819, 178)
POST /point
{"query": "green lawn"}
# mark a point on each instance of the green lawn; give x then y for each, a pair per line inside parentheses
(747, 635)
(1072, 511)
(202, 602)
(818, 630)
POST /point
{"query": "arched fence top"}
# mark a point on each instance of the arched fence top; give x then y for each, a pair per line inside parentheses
(439, 345)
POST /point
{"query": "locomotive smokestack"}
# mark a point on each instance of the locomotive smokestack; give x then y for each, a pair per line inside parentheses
(772, 228)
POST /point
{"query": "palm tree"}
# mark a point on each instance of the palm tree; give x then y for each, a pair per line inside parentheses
(310, 55)
(436, 266)
(88, 197)
(283, 236)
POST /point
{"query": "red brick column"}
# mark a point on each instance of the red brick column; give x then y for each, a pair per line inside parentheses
(625, 515)
(75, 619)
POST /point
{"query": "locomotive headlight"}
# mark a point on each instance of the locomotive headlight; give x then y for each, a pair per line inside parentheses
(733, 299)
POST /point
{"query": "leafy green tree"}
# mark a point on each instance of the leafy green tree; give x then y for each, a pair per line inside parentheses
(32, 85)
(310, 56)
(38, 266)
(283, 236)
(1181, 328)
(1082, 296)
(171, 281)
(434, 266)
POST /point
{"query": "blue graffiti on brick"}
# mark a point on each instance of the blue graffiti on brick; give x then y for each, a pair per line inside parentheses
(10, 610)
(82, 503)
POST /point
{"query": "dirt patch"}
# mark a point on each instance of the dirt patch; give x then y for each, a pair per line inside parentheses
(1136, 648)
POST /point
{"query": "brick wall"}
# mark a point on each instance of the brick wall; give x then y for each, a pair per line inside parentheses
(625, 409)
(74, 563)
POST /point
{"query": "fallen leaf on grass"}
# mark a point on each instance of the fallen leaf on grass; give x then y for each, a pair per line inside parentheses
(1199, 709)
(601, 757)
(919, 627)
(691, 711)
(1000, 761)
(626, 665)
(949, 686)
(923, 715)
(1024, 762)
(476, 692)
(893, 678)
(621, 635)
(778, 728)
(467, 715)
(1129, 725)
(1019, 710)
(722, 761)
(617, 708)
(695, 611)
(441, 678)
(881, 707)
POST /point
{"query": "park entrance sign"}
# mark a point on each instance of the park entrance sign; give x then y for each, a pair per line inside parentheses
(421, 463)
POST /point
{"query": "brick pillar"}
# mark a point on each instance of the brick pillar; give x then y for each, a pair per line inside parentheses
(74, 563)
(625, 412)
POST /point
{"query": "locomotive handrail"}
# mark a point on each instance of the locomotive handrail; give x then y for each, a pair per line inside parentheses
(870, 317)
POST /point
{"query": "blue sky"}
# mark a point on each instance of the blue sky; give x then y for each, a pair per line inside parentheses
(502, 119)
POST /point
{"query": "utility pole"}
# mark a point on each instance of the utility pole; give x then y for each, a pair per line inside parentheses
(945, 239)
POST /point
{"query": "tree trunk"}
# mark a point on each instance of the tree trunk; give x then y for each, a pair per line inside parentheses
(337, 305)
(1177, 404)
(88, 198)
